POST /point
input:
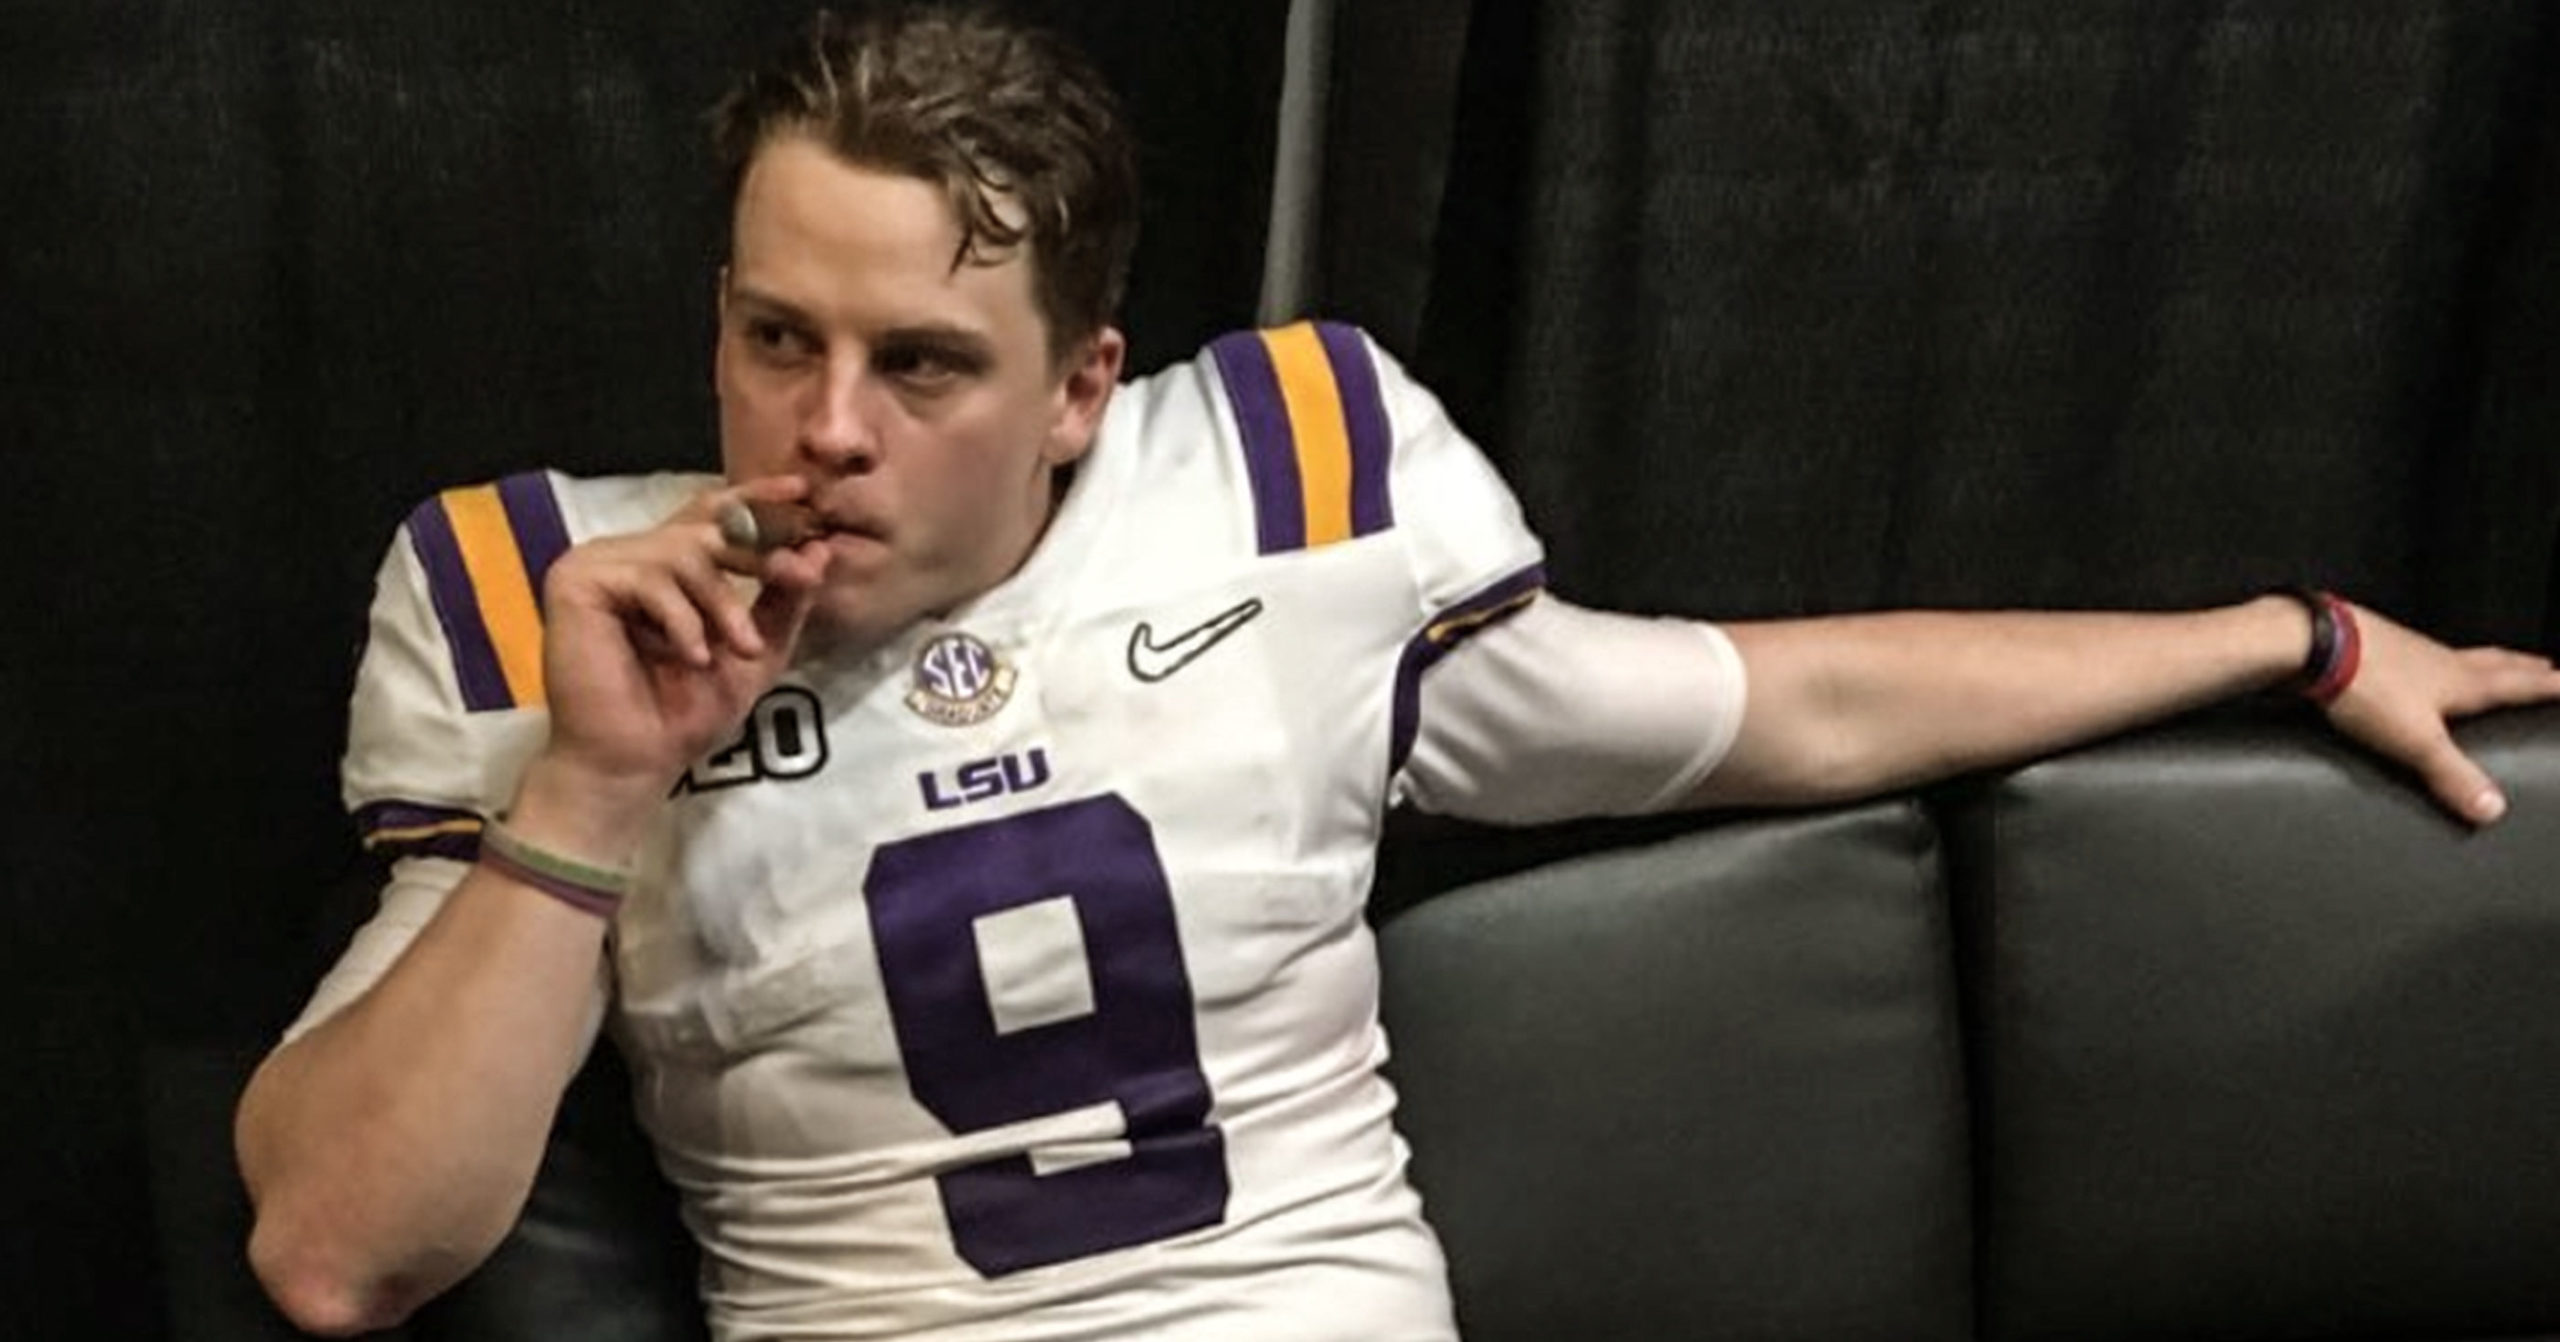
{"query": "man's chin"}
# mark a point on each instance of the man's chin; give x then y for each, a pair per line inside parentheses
(853, 619)
(859, 611)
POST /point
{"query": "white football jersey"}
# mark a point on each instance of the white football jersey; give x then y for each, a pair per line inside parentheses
(1012, 982)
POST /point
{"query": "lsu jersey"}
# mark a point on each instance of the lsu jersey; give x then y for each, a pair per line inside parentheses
(1011, 981)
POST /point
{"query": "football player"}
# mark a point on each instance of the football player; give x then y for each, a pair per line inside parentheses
(961, 809)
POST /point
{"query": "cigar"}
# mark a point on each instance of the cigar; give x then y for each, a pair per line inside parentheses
(764, 527)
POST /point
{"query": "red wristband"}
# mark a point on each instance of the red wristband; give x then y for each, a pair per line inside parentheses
(2337, 646)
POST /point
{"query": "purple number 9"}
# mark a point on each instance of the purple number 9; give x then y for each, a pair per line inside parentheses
(1135, 1046)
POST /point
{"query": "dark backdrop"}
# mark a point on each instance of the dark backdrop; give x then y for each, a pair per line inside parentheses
(1777, 308)
(275, 270)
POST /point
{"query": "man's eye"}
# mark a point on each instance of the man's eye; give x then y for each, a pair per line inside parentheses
(776, 338)
(921, 365)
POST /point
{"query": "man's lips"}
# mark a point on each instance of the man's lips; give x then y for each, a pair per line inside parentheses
(858, 527)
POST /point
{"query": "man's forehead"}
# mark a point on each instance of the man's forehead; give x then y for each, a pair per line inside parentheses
(815, 232)
(943, 325)
(797, 169)
(796, 188)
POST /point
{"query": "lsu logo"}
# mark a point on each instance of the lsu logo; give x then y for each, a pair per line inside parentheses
(784, 737)
(959, 681)
(984, 780)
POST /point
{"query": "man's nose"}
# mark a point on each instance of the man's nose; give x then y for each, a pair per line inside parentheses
(836, 431)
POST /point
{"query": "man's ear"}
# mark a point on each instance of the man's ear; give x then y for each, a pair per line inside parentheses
(1085, 385)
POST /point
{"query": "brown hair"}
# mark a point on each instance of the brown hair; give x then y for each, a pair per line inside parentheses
(1013, 123)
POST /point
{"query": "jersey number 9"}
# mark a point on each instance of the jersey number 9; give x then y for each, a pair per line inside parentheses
(1136, 1047)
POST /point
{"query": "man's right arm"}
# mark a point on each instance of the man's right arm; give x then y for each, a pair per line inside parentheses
(388, 1149)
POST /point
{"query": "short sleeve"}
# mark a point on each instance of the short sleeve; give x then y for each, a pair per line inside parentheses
(1561, 712)
(447, 705)
(448, 701)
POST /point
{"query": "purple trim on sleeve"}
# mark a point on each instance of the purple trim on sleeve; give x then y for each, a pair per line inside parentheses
(1364, 417)
(1270, 449)
(533, 513)
(410, 829)
(475, 659)
(1444, 631)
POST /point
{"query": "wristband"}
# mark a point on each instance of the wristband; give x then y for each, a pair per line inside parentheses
(2337, 646)
(588, 888)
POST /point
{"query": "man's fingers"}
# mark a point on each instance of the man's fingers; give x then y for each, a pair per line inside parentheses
(792, 579)
(677, 589)
(708, 588)
(2487, 678)
(2523, 678)
(2460, 783)
(666, 608)
(781, 611)
(2417, 737)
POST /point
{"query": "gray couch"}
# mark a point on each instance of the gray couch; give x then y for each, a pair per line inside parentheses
(2213, 1032)
(2216, 1032)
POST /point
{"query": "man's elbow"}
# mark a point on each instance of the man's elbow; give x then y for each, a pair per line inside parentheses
(1811, 762)
(309, 1277)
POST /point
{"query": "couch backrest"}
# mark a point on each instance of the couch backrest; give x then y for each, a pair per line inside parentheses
(1709, 1085)
(2217, 1031)
(2266, 1045)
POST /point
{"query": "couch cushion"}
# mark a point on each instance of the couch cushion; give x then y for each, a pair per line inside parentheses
(2270, 1046)
(1704, 1086)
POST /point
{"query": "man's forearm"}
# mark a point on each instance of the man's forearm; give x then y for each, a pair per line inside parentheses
(1848, 706)
(389, 1150)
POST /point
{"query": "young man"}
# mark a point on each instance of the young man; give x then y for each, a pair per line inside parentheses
(975, 878)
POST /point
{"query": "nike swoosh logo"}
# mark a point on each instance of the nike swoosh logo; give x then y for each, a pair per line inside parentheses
(1151, 661)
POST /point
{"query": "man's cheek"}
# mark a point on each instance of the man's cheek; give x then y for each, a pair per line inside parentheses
(752, 445)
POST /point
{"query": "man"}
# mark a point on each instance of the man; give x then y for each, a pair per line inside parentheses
(975, 876)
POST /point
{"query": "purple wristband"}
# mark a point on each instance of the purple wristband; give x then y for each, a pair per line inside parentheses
(589, 889)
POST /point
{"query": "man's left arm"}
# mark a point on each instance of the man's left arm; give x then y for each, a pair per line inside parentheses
(1847, 706)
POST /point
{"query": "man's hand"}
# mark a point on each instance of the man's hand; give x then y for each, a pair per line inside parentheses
(652, 652)
(2410, 687)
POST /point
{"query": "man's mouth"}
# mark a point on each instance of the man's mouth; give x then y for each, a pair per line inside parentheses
(858, 528)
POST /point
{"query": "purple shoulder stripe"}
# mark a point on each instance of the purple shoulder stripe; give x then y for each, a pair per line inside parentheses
(1270, 450)
(1364, 415)
(533, 512)
(1448, 629)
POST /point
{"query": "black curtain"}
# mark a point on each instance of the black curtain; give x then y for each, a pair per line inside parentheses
(1774, 308)
(276, 269)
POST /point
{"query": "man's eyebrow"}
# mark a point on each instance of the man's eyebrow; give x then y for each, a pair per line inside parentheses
(768, 303)
(939, 333)
(948, 335)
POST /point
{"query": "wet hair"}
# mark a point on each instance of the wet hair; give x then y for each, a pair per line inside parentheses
(1011, 121)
